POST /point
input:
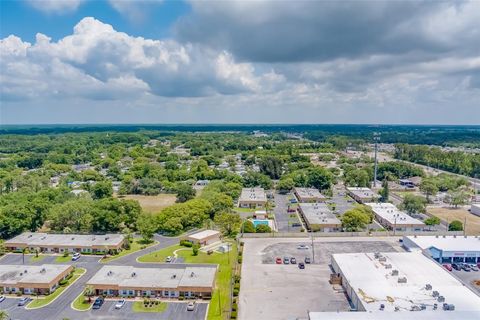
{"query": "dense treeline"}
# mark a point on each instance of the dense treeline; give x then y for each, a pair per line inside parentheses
(457, 162)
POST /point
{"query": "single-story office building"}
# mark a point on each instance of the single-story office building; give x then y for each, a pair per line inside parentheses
(308, 195)
(204, 237)
(319, 217)
(252, 198)
(59, 243)
(362, 195)
(393, 219)
(28, 279)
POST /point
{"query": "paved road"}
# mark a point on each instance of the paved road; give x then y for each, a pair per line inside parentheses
(282, 217)
(60, 308)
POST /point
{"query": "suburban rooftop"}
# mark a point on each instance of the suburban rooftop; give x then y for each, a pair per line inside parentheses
(13, 274)
(447, 243)
(253, 194)
(362, 192)
(318, 213)
(38, 239)
(372, 278)
(308, 193)
(391, 214)
(203, 234)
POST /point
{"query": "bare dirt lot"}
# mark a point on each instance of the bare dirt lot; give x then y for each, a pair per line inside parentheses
(449, 214)
(279, 291)
(152, 204)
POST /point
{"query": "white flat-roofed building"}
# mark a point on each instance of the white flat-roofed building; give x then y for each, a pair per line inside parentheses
(319, 217)
(402, 282)
(160, 281)
(42, 279)
(426, 315)
(307, 195)
(393, 219)
(362, 195)
(475, 209)
(59, 243)
(446, 249)
(204, 237)
(252, 198)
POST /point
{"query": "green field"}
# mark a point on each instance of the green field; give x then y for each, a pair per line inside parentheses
(134, 246)
(41, 302)
(139, 306)
(81, 303)
(36, 259)
(226, 264)
(62, 259)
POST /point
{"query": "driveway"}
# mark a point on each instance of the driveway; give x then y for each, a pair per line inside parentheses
(282, 217)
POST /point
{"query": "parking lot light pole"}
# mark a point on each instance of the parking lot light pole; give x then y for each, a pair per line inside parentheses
(313, 248)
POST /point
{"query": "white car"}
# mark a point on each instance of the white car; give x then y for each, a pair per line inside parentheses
(76, 256)
(2, 298)
(191, 306)
(302, 247)
(168, 259)
(120, 304)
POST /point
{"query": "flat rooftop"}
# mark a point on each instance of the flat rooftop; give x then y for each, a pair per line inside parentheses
(38, 239)
(159, 277)
(390, 213)
(446, 243)
(46, 273)
(309, 193)
(374, 283)
(362, 192)
(253, 194)
(426, 315)
(203, 234)
(318, 213)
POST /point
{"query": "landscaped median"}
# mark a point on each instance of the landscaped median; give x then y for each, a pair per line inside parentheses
(221, 300)
(149, 306)
(40, 302)
(81, 303)
(135, 245)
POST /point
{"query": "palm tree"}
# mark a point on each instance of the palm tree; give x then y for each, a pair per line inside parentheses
(4, 315)
(89, 292)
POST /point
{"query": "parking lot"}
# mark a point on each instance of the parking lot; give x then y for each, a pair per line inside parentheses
(286, 221)
(468, 278)
(279, 291)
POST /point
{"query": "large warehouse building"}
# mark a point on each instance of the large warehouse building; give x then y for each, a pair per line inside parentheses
(59, 243)
(402, 282)
(446, 249)
(160, 281)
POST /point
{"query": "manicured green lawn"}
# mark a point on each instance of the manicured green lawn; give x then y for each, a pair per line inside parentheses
(42, 301)
(138, 306)
(224, 275)
(62, 259)
(36, 259)
(81, 303)
(134, 246)
(161, 255)
(245, 210)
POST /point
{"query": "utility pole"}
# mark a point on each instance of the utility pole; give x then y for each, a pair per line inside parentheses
(376, 138)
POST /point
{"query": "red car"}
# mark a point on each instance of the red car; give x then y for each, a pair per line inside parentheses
(278, 261)
(448, 266)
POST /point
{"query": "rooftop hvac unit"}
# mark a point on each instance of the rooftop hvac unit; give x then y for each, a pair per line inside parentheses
(388, 266)
(397, 308)
(435, 306)
(394, 272)
(382, 307)
(435, 293)
(415, 308)
(423, 306)
(428, 286)
(133, 274)
(377, 255)
(382, 259)
(448, 307)
(402, 280)
(441, 299)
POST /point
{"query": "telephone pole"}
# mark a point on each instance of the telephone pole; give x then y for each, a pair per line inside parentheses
(376, 138)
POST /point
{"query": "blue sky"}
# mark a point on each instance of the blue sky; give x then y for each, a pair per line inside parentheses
(159, 61)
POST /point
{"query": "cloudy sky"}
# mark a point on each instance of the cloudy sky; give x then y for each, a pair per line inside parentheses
(122, 61)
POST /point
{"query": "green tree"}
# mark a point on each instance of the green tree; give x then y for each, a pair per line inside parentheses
(185, 192)
(457, 198)
(432, 221)
(4, 315)
(414, 204)
(228, 222)
(146, 226)
(357, 178)
(385, 192)
(356, 219)
(320, 178)
(271, 166)
(428, 187)
(263, 228)
(455, 225)
(195, 249)
(248, 227)
(102, 189)
(285, 185)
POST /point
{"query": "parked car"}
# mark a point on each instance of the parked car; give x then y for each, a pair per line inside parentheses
(76, 256)
(168, 259)
(296, 224)
(293, 260)
(307, 260)
(23, 301)
(120, 304)
(293, 200)
(301, 265)
(466, 267)
(302, 247)
(473, 267)
(191, 306)
(2, 298)
(286, 260)
(98, 303)
(278, 260)
(448, 266)
(456, 266)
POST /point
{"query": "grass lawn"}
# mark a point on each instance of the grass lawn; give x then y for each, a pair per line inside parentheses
(63, 259)
(134, 246)
(36, 259)
(81, 303)
(138, 306)
(224, 275)
(42, 301)
(152, 204)
(245, 210)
